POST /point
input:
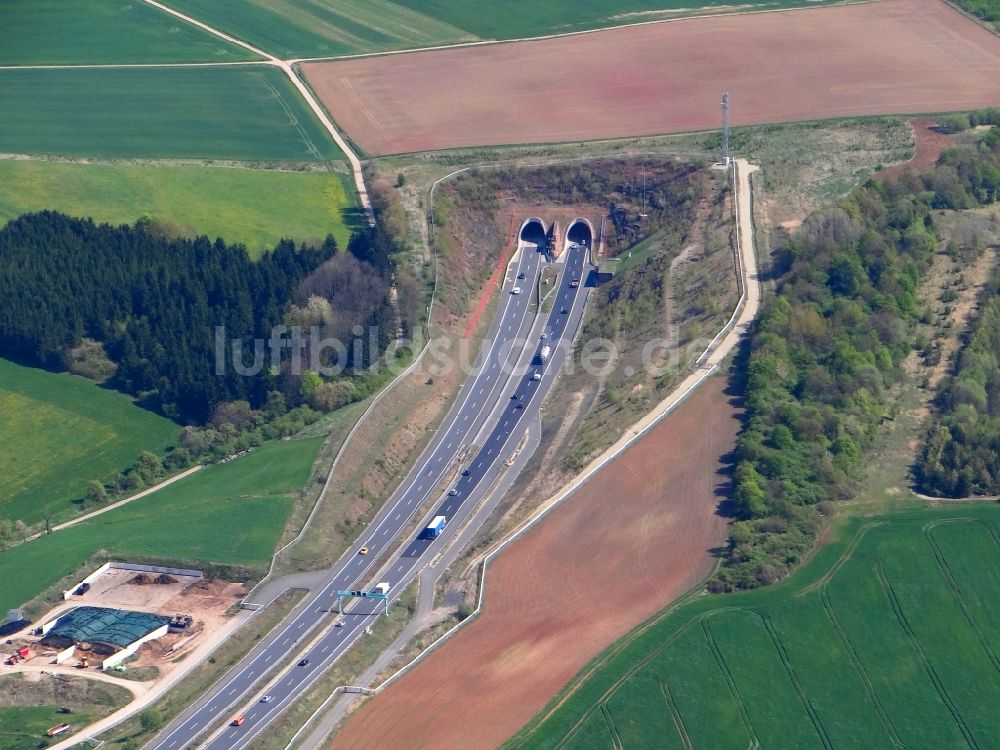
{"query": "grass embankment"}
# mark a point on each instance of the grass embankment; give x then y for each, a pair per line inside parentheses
(304, 28)
(40, 32)
(61, 431)
(250, 206)
(250, 113)
(888, 637)
(30, 705)
(227, 515)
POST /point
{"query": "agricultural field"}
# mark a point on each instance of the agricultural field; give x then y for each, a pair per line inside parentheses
(327, 28)
(47, 32)
(889, 637)
(229, 514)
(323, 28)
(563, 592)
(250, 206)
(60, 431)
(890, 57)
(247, 113)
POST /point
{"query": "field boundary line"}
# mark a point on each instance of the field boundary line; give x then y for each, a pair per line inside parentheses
(823, 580)
(578, 32)
(925, 661)
(779, 647)
(956, 591)
(675, 714)
(859, 668)
(304, 91)
(730, 681)
(106, 66)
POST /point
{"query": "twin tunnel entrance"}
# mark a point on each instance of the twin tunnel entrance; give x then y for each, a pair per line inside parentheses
(579, 232)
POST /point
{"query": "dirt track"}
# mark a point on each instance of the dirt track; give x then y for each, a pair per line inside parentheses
(894, 56)
(634, 538)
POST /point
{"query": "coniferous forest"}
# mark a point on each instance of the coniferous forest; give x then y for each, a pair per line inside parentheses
(151, 303)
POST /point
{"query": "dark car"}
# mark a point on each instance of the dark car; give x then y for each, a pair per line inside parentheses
(466, 473)
(521, 275)
(304, 663)
(564, 311)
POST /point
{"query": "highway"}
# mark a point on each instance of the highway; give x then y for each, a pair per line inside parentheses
(494, 403)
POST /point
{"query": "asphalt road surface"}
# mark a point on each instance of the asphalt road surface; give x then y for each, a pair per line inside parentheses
(483, 390)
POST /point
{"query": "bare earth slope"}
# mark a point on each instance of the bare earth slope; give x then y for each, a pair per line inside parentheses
(894, 56)
(630, 541)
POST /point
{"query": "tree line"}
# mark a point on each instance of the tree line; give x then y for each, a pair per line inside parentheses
(961, 455)
(145, 309)
(826, 350)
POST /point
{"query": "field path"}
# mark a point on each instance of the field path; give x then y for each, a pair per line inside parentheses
(359, 180)
(120, 503)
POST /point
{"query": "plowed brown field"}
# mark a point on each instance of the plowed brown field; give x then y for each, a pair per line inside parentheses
(630, 541)
(893, 56)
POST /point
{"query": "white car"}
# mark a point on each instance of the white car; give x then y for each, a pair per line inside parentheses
(516, 290)
(267, 699)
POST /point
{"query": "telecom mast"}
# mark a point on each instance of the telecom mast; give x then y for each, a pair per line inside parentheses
(725, 128)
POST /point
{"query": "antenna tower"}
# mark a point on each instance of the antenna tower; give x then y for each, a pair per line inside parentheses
(725, 128)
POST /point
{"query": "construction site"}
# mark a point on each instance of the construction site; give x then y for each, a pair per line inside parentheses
(125, 618)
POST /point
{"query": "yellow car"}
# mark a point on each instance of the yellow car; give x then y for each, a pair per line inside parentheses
(363, 551)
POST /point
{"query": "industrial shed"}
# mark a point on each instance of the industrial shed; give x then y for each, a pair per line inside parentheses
(105, 631)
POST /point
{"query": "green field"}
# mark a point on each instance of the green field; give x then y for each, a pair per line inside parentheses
(60, 431)
(251, 206)
(36, 32)
(890, 637)
(325, 28)
(247, 113)
(321, 28)
(23, 728)
(228, 514)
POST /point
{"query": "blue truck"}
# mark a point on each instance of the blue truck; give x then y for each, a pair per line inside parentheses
(434, 528)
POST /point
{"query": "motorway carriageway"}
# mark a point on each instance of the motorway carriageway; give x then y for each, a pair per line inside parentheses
(476, 401)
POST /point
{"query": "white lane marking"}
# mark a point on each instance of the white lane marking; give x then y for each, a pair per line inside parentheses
(396, 517)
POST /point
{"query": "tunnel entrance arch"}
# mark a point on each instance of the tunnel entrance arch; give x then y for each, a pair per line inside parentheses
(533, 231)
(580, 232)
